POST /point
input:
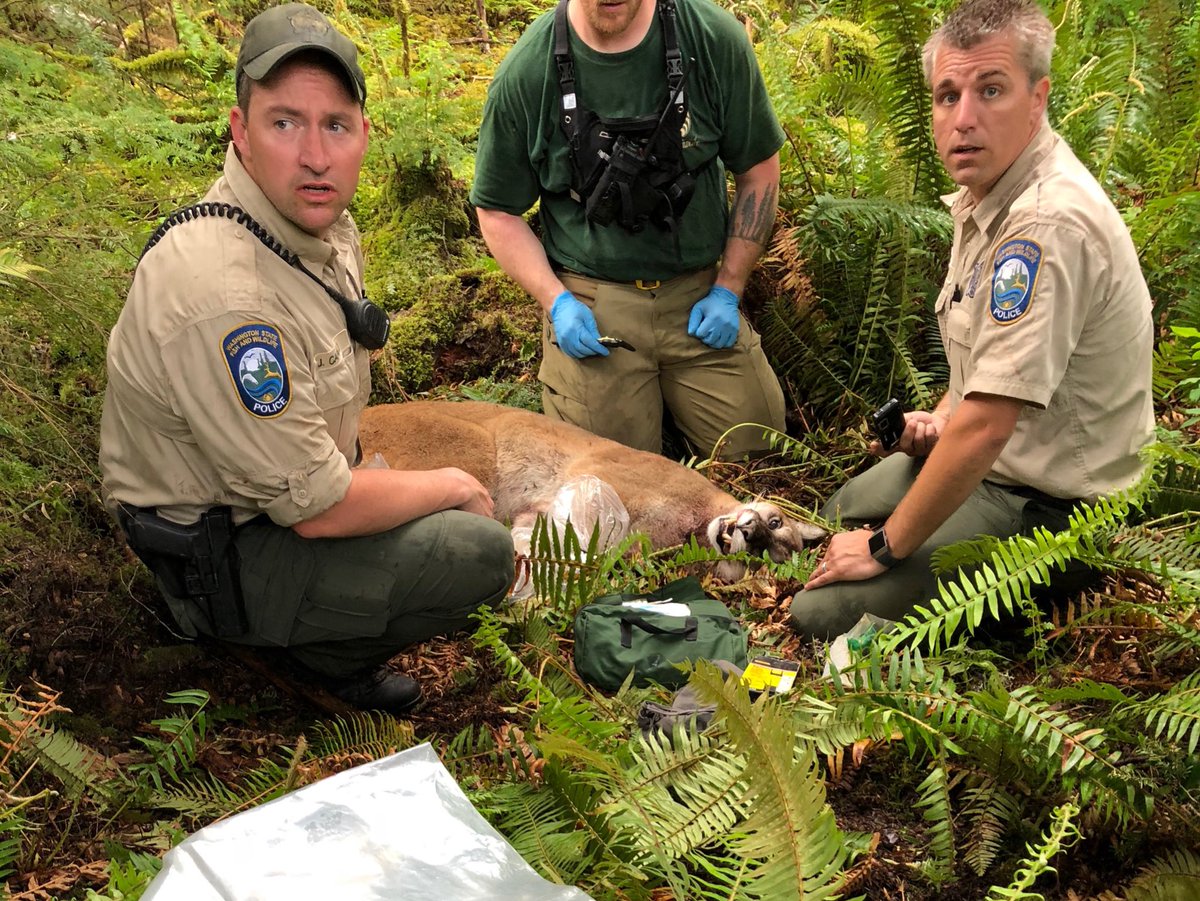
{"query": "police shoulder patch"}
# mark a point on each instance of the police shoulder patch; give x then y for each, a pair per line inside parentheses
(257, 364)
(1014, 279)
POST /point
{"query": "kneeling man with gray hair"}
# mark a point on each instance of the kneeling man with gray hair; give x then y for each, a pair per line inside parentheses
(1046, 323)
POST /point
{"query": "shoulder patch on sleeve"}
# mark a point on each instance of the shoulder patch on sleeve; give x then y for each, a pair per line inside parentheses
(258, 367)
(1014, 279)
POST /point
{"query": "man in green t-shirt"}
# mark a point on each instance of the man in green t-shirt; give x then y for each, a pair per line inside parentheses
(659, 98)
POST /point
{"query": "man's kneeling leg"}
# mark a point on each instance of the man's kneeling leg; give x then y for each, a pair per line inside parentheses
(359, 601)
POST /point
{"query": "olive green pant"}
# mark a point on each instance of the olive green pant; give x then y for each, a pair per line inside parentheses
(621, 396)
(870, 498)
(340, 605)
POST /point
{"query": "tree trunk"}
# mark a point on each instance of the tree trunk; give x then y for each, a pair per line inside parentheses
(485, 43)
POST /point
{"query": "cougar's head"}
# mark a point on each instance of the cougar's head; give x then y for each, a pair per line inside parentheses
(756, 528)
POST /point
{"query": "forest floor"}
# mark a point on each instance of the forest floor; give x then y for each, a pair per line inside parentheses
(111, 653)
(83, 621)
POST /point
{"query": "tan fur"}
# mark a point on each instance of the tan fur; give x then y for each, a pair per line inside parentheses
(523, 458)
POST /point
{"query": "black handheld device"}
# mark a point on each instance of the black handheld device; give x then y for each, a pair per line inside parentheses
(888, 423)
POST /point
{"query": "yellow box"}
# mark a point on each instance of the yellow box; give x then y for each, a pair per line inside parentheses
(772, 674)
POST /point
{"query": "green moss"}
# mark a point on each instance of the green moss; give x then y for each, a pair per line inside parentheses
(457, 327)
(418, 232)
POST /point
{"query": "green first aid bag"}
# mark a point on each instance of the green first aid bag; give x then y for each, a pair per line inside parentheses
(647, 634)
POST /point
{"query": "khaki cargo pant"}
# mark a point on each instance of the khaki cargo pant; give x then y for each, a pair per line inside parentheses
(341, 605)
(621, 396)
(871, 497)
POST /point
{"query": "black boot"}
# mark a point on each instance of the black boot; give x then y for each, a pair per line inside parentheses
(379, 689)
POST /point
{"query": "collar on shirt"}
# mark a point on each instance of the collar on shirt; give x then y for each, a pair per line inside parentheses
(1012, 182)
(313, 251)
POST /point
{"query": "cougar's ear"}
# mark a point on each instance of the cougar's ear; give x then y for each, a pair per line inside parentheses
(809, 533)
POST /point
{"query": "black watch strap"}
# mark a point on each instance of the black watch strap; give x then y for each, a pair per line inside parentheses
(878, 545)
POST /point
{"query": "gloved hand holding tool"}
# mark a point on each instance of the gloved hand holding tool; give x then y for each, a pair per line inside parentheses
(575, 328)
(715, 319)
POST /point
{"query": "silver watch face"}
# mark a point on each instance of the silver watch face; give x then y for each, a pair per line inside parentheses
(877, 543)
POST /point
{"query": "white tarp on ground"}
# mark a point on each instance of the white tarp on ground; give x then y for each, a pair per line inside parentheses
(397, 828)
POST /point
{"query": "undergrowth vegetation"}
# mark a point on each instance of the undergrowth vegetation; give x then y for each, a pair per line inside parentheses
(1001, 742)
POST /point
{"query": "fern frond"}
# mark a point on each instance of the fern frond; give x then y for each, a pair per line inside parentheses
(1177, 480)
(691, 788)
(1169, 877)
(12, 266)
(574, 715)
(542, 831)
(995, 588)
(859, 329)
(790, 829)
(988, 810)
(1002, 582)
(1077, 753)
(174, 60)
(361, 734)
(831, 220)
(561, 566)
(1174, 715)
(903, 26)
(171, 759)
(26, 736)
(934, 804)
(12, 826)
(1057, 735)
(631, 807)
(1061, 834)
(896, 692)
(470, 754)
(199, 797)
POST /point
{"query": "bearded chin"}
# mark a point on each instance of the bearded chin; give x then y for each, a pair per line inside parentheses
(613, 22)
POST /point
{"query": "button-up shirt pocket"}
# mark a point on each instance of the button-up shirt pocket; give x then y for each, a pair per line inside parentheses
(335, 374)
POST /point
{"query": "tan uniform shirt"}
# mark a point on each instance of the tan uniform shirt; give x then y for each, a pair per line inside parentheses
(231, 376)
(1045, 303)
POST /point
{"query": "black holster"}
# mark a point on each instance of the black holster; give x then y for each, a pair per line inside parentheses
(197, 562)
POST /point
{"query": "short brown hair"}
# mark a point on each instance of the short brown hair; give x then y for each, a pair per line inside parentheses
(975, 21)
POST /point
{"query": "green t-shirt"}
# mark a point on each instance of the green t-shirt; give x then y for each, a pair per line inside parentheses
(523, 153)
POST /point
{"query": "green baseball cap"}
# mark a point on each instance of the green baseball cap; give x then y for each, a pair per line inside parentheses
(283, 31)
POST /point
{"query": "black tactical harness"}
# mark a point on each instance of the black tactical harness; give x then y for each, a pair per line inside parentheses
(627, 170)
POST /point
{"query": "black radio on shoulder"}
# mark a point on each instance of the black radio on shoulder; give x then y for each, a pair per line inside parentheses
(888, 423)
(365, 322)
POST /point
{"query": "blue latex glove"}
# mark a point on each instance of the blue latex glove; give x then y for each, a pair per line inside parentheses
(715, 319)
(575, 327)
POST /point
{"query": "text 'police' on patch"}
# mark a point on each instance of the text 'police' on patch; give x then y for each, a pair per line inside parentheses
(258, 367)
(1014, 279)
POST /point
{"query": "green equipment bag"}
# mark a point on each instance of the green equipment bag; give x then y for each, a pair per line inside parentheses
(647, 634)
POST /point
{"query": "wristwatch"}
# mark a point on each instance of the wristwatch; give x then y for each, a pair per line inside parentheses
(878, 545)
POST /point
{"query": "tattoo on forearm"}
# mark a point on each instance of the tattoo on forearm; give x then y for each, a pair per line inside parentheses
(754, 217)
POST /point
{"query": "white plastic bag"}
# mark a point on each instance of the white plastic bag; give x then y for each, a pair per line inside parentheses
(584, 501)
(399, 828)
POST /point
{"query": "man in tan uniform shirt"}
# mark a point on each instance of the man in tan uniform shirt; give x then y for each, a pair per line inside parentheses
(236, 382)
(1046, 323)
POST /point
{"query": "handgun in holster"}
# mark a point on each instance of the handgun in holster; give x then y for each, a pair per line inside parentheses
(198, 562)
